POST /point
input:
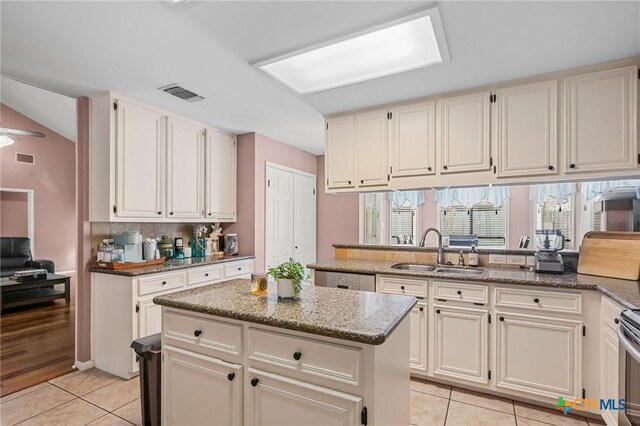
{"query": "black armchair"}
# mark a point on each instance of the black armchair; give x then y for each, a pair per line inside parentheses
(15, 255)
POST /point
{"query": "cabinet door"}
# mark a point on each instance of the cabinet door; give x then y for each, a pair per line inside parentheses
(538, 355)
(609, 373)
(413, 140)
(601, 120)
(461, 343)
(527, 130)
(185, 170)
(149, 318)
(464, 133)
(200, 390)
(340, 151)
(372, 148)
(221, 176)
(139, 161)
(278, 400)
(418, 339)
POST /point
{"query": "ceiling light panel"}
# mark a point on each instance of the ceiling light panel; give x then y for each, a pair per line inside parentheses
(408, 44)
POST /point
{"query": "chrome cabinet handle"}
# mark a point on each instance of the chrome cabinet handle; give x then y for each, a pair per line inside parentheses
(628, 346)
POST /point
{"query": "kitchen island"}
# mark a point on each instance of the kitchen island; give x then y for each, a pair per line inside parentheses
(332, 357)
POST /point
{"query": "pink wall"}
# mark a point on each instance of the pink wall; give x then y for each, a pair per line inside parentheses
(13, 214)
(53, 180)
(337, 217)
(519, 214)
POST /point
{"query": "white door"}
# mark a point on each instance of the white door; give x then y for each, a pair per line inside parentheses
(200, 390)
(538, 355)
(418, 337)
(278, 400)
(372, 148)
(304, 219)
(464, 133)
(412, 138)
(139, 161)
(461, 343)
(609, 373)
(149, 318)
(601, 120)
(279, 216)
(527, 130)
(185, 170)
(220, 175)
(340, 152)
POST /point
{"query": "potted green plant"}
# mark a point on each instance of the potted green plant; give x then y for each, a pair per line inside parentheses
(289, 276)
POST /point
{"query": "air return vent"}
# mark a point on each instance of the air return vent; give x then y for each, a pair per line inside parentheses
(25, 158)
(182, 93)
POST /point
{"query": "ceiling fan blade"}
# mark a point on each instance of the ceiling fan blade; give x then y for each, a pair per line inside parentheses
(21, 132)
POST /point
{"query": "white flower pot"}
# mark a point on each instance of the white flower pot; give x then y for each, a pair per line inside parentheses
(285, 289)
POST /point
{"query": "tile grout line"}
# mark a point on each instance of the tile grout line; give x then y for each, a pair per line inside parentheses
(446, 415)
(121, 417)
(45, 411)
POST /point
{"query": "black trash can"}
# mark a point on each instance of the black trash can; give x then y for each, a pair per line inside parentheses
(149, 354)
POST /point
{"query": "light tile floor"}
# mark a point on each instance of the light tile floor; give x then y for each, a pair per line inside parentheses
(96, 398)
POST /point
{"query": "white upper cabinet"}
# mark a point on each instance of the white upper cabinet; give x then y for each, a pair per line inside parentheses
(412, 140)
(601, 120)
(372, 148)
(527, 130)
(221, 177)
(139, 161)
(340, 152)
(185, 169)
(464, 133)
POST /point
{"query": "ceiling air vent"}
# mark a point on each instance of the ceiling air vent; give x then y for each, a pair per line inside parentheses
(25, 158)
(182, 93)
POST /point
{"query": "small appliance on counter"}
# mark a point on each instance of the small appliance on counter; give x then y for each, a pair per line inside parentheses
(547, 258)
(131, 242)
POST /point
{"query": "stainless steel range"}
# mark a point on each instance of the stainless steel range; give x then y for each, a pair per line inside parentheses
(629, 384)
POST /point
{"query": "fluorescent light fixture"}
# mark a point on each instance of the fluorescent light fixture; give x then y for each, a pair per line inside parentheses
(5, 140)
(402, 45)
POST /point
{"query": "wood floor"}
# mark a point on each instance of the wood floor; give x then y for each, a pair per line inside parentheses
(36, 343)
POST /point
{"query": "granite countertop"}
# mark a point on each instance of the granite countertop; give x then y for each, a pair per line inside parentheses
(170, 265)
(625, 292)
(357, 316)
(409, 247)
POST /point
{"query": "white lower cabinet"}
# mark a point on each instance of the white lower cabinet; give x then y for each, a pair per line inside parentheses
(539, 355)
(609, 374)
(201, 390)
(278, 400)
(418, 348)
(149, 318)
(461, 343)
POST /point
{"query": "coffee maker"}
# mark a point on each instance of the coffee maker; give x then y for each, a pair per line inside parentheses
(131, 241)
(547, 258)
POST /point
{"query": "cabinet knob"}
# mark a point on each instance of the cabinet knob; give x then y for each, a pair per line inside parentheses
(501, 318)
(421, 309)
(209, 214)
(445, 167)
(297, 356)
(239, 268)
(231, 376)
(206, 275)
(536, 300)
(164, 283)
(437, 311)
(349, 182)
(550, 167)
(429, 168)
(459, 292)
(616, 320)
(159, 212)
(402, 287)
(197, 333)
(254, 382)
(171, 213)
(361, 180)
(572, 166)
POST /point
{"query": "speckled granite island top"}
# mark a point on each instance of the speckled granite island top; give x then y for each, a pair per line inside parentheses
(624, 292)
(357, 316)
(171, 265)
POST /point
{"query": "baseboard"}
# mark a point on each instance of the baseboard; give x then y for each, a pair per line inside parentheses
(84, 365)
(70, 272)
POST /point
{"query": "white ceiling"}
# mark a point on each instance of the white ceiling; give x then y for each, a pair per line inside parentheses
(82, 48)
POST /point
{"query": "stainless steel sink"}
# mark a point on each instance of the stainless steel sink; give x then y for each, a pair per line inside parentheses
(460, 271)
(417, 267)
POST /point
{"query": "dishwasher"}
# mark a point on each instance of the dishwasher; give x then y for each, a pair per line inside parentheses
(345, 280)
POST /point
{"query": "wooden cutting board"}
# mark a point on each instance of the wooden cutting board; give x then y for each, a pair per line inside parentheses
(611, 254)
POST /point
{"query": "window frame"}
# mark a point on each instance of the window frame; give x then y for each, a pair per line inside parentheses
(417, 224)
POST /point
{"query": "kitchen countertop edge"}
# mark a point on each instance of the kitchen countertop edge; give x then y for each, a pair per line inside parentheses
(169, 266)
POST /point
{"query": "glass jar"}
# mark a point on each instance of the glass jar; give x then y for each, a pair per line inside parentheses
(259, 283)
(117, 255)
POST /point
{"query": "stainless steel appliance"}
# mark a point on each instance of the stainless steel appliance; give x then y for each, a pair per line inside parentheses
(547, 258)
(345, 280)
(131, 241)
(617, 212)
(629, 383)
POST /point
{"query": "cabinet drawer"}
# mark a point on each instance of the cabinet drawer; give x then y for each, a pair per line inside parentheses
(544, 301)
(335, 362)
(413, 287)
(460, 292)
(610, 314)
(202, 335)
(238, 268)
(155, 283)
(208, 274)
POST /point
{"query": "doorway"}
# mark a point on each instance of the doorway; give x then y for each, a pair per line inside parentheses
(290, 216)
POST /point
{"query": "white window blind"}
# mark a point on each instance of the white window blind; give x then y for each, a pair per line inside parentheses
(484, 220)
(551, 215)
(403, 225)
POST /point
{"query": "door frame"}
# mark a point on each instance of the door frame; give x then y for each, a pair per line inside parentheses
(30, 214)
(271, 165)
